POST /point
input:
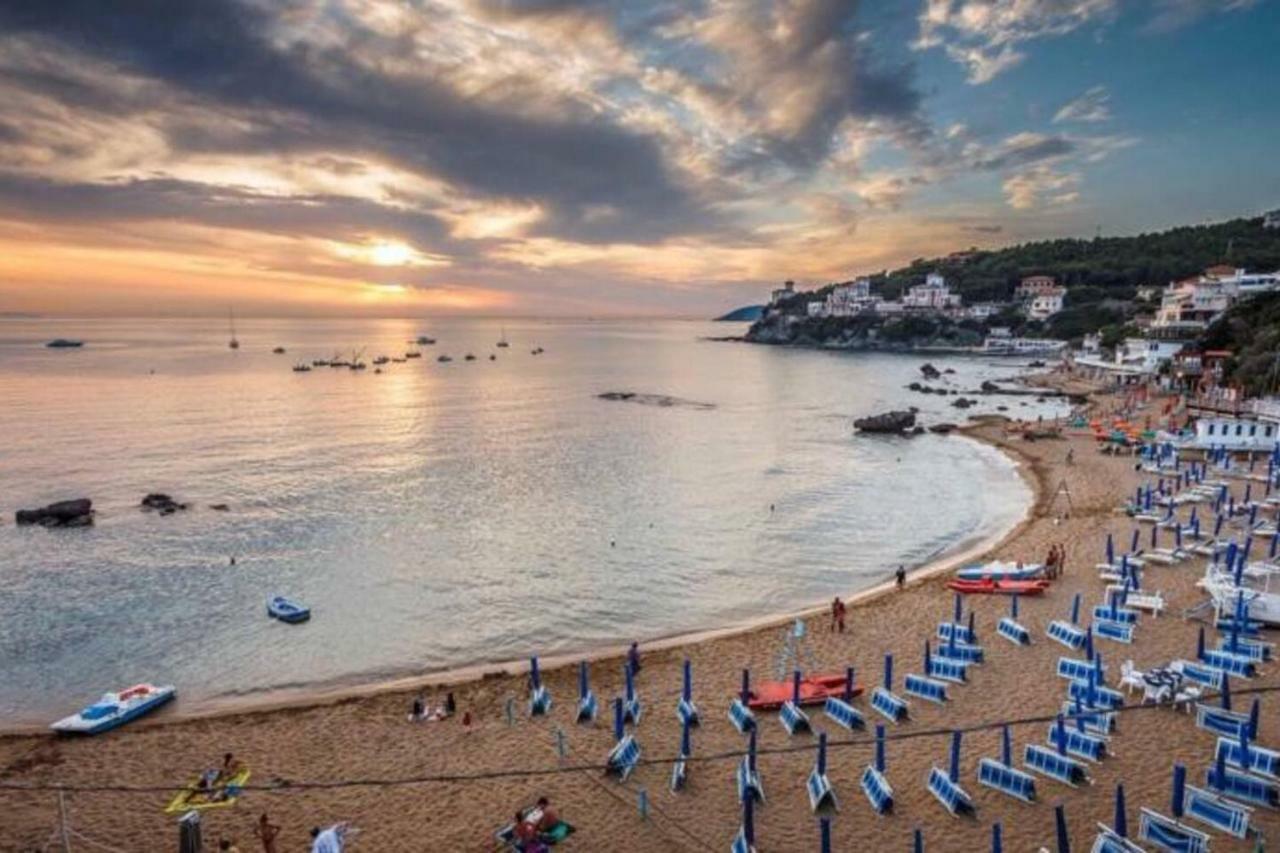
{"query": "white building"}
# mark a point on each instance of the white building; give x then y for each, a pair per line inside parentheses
(1271, 219)
(933, 295)
(1034, 285)
(787, 291)
(1192, 304)
(1236, 434)
(982, 310)
(847, 300)
(817, 309)
(1046, 303)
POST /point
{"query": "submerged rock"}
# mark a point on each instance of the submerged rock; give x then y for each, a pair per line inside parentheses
(962, 403)
(942, 429)
(161, 502)
(663, 400)
(929, 371)
(889, 422)
(73, 513)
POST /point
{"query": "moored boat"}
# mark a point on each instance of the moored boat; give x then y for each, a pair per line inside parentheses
(814, 690)
(115, 709)
(287, 610)
(993, 586)
(64, 343)
(996, 570)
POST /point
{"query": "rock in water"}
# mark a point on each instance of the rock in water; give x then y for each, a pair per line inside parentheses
(889, 422)
(929, 371)
(73, 513)
(162, 502)
(942, 429)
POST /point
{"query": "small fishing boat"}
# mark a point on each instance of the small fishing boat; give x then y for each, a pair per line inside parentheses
(413, 353)
(492, 357)
(115, 709)
(399, 360)
(814, 690)
(444, 358)
(302, 367)
(424, 341)
(992, 586)
(996, 570)
(287, 610)
(319, 362)
(469, 357)
(64, 343)
(279, 350)
(502, 342)
(381, 360)
(234, 343)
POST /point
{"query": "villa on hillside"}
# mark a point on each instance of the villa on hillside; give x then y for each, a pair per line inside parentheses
(933, 295)
(1191, 305)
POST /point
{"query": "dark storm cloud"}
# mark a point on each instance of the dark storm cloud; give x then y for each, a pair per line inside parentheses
(38, 199)
(319, 96)
(1027, 149)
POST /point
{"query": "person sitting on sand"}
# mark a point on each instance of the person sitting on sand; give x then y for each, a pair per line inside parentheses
(231, 767)
(549, 818)
(266, 832)
(526, 836)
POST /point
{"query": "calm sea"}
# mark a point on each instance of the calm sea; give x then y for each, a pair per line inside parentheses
(444, 514)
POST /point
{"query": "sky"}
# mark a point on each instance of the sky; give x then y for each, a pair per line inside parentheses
(598, 157)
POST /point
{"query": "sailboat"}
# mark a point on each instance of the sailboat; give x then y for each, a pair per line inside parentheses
(502, 342)
(231, 318)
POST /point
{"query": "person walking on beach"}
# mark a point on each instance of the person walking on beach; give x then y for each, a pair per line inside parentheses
(266, 832)
(901, 576)
(837, 615)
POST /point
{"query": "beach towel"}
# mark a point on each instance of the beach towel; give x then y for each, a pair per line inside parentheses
(193, 797)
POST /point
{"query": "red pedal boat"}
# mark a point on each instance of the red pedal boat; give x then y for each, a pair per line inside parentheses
(814, 690)
(991, 586)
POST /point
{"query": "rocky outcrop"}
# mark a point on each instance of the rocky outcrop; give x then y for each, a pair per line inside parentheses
(73, 513)
(929, 371)
(890, 422)
(943, 429)
(162, 503)
(962, 403)
(652, 399)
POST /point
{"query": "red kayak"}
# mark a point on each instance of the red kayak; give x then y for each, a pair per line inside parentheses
(814, 690)
(991, 586)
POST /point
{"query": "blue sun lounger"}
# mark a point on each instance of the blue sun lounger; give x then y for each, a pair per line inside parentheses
(680, 770)
(818, 785)
(874, 784)
(926, 688)
(625, 754)
(739, 714)
(1220, 721)
(1049, 762)
(961, 632)
(883, 700)
(960, 652)
(1206, 676)
(1076, 669)
(1243, 786)
(1115, 614)
(586, 699)
(749, 784)
(1003, 776)
(1168, 834)
(1095, 697)
(1231, 664)
(1092, 721)
(1108, 630)
(631, 708)
(1242, 755)
(540, 697)
(841, 710)
(1219, 813)
(1254, 651)
(1066, 634)
(1078, 743)
(945, 786)
(1013, 631)
(1114, 838)
(745, 840)
(686, 711)
(793, 719)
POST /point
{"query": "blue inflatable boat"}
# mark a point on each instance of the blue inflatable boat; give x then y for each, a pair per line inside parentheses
(287, 610)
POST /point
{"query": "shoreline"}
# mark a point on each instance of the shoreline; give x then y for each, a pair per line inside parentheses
(319, 696)
(357, 759)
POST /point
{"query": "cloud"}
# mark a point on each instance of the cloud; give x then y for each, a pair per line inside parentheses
(1023, 149)
(1170, 15)
(1040, 186)
(985, 36)
(1092, 106)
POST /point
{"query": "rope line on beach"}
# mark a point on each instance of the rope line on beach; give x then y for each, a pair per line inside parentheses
(867, 740)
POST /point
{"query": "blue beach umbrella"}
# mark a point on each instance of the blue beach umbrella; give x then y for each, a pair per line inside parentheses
(996, 846)
(1179, 789)
(1111, 552)
(1060, 825)
(824, 835)
(1121, 823)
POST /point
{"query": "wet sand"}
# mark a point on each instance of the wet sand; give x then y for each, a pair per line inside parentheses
(368, 738)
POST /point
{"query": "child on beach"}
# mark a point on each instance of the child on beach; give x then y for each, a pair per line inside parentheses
(266, 832)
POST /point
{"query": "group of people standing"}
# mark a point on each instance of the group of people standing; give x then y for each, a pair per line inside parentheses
(1056, 561)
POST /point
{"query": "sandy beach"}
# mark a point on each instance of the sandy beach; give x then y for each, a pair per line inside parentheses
(367, 738)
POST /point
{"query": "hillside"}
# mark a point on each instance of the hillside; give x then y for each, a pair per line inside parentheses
(1101, 276)
(1251, 330)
